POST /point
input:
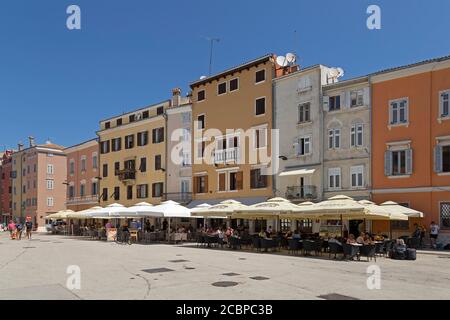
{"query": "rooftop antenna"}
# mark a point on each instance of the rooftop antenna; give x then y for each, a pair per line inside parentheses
(211, 41)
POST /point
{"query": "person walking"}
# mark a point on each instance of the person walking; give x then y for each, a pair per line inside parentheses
(19, 229)
(12, 230)
(29, 229)
(423, 231)
(434, 233)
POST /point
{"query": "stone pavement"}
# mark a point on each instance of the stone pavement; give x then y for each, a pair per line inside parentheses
(37, 269)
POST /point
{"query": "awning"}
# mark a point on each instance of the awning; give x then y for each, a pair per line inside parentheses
(301, 172)
(248, 201)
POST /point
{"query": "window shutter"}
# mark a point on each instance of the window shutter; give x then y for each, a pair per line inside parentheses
(195, 184)
(388, 163)
(345, 98)
(221, 181)
(326, 103)
(297, 148)
(239, 180)
(438, 159)
(206, 184)
(366, 96)
(409, 164)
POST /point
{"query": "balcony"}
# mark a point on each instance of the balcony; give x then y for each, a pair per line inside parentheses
(226, 155)
(82, 200)
(180, 197)
(127, 174)
(301, 193)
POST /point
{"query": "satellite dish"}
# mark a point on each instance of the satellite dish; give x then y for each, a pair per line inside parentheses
(291, 58)
(282, 61)
(340, 72)
(333, 72)
(203, 77)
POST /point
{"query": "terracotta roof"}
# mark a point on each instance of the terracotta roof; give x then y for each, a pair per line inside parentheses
(440, 59)
(51, 146)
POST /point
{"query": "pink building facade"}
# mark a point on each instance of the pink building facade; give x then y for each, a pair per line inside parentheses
(5, 186)
(83, 175)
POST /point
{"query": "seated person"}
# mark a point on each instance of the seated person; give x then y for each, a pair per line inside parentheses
(368, 240)
(351, 239)
(269, 232)
(262, 234)
(360, 239)
(236, 234)
(334, 240)
(296, 235)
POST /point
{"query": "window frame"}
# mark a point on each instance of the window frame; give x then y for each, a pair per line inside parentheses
(332, 173)
(398, 112)
(356, 170)
(256, 76)
(441, 104)
(229, 84)
(256, 106)
(198, 95)
(219, 85)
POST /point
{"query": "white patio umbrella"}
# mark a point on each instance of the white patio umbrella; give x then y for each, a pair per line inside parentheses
(272, 208)
(82, 214)
(133, 211)
(105, 213)
(394, 207)
(221, 210)
(382, 213)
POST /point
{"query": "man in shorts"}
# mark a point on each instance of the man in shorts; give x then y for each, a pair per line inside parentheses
(29, 228)
(434, 233)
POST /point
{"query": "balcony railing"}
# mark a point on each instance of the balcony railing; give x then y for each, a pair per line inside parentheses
(180, 197)
(127, 174)
(225, 155)
(82, 200)
(299, 193)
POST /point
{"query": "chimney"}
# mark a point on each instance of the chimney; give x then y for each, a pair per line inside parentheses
(31, 141)
(176, 97)
(20, 146)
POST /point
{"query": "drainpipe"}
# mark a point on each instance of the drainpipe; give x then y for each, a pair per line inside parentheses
(370, 137)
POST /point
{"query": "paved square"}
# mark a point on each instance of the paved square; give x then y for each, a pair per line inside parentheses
(111, 271)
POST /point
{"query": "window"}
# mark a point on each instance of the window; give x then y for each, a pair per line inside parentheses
(157, 162)
(304, 84)
(105, 170)
(444, 103)
(260, 138)
(50, 184)
(50, 169)
(105, 194)
(356, 135)
(257, 180)
(398, 113)
(143, 166)
(357, 176)
(82, 189)
(445, 215)
(260, 106)
(334, 139)
(142, 138)
(129, 141)
(222, 88)
(104, 147)
(335, 103)
(94, 161)
(116, 144)
(50, 202)
(303, 146)
(119, 122)
(72, 167)
(157, 190)
(201, 122)
(132, 118)
(129, 192)
(260, 76)
(83, 164)
(442, 158)
(398, 162)
(234, 84)
(71, 192)
(94, 188)
(186, 159)
(285, 225)
(334, 178)
(107, 125)
(356, 98)
(304, 112)
(145, 114)
(158, 135)
(142, 191)
(116, 168)
(116, 193)
(159, 111)
(201, 95)
(201, 184)
(236, 181)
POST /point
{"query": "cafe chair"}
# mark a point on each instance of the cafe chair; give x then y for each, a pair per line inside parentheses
(334, 248)
(368, 251)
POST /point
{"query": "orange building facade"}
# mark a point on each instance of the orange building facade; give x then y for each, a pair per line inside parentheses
(411, 142)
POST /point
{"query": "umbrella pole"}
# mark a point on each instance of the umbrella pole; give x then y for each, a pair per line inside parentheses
(168, 232)
(342, 227)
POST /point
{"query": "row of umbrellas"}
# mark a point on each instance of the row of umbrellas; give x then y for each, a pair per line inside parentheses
(338, 207)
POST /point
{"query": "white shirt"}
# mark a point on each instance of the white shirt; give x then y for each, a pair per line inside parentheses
(434, 229)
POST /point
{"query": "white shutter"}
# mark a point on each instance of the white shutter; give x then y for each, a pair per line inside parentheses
(297, 148)
(326, 103)
(366, 96)
(409, 159)
(438, 159)
(346, 99)
(388, 163)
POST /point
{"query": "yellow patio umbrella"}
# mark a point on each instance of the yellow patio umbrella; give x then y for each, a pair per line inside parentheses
(337, 207)
(60, 215)
(395, 208)
(382, 213)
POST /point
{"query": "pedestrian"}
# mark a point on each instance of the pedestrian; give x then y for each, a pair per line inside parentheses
(423, 231)
(29, 228)
(19, 228)
(12, 230)
(434, 233)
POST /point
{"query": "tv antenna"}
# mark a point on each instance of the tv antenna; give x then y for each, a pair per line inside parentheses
(211, 41)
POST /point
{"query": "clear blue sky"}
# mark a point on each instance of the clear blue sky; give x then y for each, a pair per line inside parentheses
(56, 83)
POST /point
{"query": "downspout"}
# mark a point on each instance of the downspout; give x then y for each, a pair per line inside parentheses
(370, 137)
(274, 115)
(321, 139)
